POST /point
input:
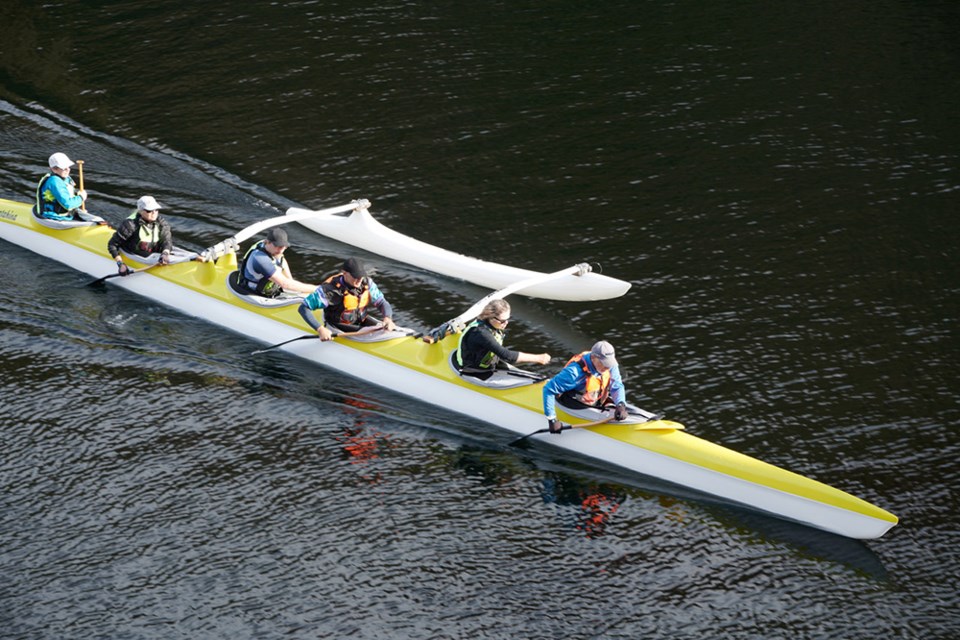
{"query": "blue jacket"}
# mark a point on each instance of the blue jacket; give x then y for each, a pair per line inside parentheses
(56, 197)
(573, 378)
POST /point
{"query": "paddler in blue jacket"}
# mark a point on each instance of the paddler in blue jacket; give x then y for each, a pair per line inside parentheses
(345, 299)
(57, 197)
(590, 379)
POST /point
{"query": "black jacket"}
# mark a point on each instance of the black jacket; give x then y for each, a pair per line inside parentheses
(127, 237)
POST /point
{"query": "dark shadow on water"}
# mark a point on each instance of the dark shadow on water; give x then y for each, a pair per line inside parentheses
(820, 545)
(572, 476)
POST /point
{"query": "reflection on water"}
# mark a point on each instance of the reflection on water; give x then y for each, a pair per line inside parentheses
(596, 511)
(361, 443)
(594, 506)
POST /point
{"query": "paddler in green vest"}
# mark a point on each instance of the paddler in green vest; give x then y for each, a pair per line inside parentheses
(481, 345)
(144, 233)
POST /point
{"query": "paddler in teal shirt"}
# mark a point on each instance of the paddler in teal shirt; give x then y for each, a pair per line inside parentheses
(57, 198)
(345, 299)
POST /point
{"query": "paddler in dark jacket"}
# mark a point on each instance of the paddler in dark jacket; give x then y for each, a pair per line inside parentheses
(481, 345)
(589, 378)
(144, 233)
(345, 299)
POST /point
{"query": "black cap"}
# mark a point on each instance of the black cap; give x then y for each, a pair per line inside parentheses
(278, 237)
(355, 268)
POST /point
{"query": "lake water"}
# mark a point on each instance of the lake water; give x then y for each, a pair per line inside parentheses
(779, 183)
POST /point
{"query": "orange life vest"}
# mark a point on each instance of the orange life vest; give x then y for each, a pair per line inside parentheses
(597, 386)
(353, 306)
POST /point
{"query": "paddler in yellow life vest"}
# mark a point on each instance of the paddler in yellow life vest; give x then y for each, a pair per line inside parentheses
(481, 344)
(345, 299)
(590, 378)
(144, 233)
(265, 272)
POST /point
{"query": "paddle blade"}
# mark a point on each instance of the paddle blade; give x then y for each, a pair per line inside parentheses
(100, 281)
(660, 425)
(514, 443)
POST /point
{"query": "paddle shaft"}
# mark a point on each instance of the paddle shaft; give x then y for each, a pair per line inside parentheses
(361, 332)
(130, 272)
(564, 428)
(146, 268)
(520, 373)
(280, 344)
(83, 205)
(586, 424)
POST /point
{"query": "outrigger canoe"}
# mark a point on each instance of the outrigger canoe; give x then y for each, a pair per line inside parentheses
(359, 228)
(401, 362)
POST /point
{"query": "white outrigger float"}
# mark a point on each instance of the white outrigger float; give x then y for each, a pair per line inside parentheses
(400, 361)
(359, 229)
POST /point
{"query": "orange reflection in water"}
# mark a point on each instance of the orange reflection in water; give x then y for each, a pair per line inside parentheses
(359, 445)
(362, 445)
(596, 510)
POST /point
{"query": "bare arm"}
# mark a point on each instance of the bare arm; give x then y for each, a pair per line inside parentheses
(537, 358)
(289, 284)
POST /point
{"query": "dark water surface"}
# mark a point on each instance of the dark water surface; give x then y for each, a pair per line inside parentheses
(779, 182)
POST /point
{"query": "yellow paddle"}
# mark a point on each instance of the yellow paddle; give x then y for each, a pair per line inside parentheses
(652, 425)
(659, 425)
(564, 428)
(83, 205)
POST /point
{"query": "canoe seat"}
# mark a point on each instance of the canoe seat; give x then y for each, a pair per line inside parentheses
(283, 300)
(501, 378)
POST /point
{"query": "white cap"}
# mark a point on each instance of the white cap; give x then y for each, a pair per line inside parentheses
(60, 161)
(147, 203)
